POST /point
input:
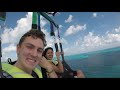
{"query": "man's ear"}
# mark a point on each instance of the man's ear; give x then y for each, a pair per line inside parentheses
(17, 48)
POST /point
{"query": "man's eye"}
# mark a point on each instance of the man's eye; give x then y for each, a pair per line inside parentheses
(40, 51)
(30, 47)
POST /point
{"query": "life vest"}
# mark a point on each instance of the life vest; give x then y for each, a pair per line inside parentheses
(18, 73)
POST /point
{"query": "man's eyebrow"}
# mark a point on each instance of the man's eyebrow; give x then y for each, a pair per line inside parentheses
(29, 44)
(34, 46)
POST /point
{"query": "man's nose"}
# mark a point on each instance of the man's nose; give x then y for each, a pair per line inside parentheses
(34, 53)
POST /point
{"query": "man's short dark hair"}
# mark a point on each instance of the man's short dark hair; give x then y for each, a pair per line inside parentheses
(35, 34)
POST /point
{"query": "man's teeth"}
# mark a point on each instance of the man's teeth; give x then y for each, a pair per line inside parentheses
(31, 60)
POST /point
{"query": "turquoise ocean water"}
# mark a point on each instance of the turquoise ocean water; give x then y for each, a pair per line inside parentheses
(98, 64)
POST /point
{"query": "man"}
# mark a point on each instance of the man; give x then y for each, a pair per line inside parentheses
(29, 53)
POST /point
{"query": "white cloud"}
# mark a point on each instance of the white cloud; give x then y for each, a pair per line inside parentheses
(70, 18)
(60, 26)
(114, 37)
(7, 52)
(117, 29)
(74, 29)
(92, 42)
(6, 36)
(107, 32)
(23, 25)
(64, 41)
(43, 21)
(10, 48)
(12, 36)
(94, 15)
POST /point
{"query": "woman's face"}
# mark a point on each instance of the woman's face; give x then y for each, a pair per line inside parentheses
(49, 54)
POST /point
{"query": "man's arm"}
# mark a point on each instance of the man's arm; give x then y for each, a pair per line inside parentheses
(44, 63)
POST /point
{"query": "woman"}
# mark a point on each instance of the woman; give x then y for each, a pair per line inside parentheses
(56, 64)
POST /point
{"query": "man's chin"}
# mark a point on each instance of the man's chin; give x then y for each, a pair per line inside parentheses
(31, 67)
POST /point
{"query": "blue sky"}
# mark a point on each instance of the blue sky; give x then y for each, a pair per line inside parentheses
(80, 32)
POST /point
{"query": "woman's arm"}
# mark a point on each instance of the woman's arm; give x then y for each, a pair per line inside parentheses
(59, 68)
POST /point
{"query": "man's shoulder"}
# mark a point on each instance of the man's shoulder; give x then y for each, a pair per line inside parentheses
(6, 75)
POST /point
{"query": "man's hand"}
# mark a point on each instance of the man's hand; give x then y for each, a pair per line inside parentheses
(44, 63)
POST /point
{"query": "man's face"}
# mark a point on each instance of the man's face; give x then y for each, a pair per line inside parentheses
(30, 52)
(49, 54)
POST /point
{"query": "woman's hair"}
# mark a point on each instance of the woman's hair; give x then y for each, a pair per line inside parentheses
(45, 51)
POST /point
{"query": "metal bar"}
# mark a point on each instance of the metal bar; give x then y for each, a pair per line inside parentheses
(48, 18)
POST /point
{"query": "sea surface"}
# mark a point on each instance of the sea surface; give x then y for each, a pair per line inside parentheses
(98, 64)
